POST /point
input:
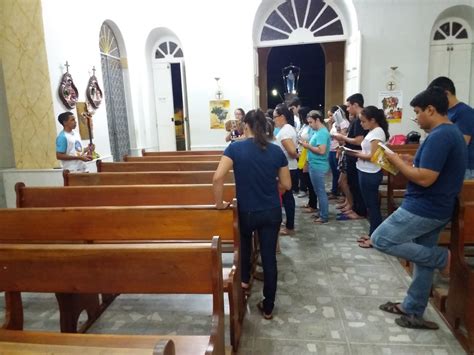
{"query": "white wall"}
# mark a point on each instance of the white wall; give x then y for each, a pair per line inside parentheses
(216, 37)
(397, 34)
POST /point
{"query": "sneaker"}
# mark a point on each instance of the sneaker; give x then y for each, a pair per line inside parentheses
(302, 194)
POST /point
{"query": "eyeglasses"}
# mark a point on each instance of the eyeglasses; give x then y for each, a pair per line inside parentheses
(414, 119)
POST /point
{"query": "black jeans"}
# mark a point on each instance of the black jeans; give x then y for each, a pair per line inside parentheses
(303, 185)
(353, 181)
(295, 180)
(313, 199)
(267, 224)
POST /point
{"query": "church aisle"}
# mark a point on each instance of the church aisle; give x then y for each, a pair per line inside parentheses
(328, 295)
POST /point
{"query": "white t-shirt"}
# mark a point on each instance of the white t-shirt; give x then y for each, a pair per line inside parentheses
(335, 129)
(365, 165)
(297, 123)
(288, 132)
(70, 143)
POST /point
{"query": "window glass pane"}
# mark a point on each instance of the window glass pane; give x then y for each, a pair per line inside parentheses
(445, 28)
(462, 34)
(438, 36)
(164, 48)
(456, 27)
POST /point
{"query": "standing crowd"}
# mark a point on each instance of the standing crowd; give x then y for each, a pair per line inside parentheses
(288, 152)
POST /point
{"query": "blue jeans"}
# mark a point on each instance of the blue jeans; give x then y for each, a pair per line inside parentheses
(289, 203)
(414, 238)
(267, 224)
(335, 172)
(318, 180)
(369, 186)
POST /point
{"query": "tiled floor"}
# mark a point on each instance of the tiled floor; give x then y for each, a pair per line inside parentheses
(328, 295)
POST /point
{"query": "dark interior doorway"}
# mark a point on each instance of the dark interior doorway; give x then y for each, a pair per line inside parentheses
(311, 60)
(178, 106)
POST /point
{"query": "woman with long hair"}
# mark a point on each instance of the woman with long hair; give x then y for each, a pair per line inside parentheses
(318, 152)
(288, 142)
(261, 173)
(370, 174)
(236, 132)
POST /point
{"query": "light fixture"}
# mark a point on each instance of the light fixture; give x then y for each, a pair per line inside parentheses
(275, 92)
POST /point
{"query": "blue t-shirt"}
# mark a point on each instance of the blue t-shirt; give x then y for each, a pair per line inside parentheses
(255, 173)
(443, 151)
(317, 161)
(462, 116)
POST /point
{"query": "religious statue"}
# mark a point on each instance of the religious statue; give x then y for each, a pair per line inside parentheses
(94, 93)
(67, 90)
(291, 76)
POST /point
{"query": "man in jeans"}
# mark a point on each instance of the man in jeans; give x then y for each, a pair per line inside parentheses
(412, 231)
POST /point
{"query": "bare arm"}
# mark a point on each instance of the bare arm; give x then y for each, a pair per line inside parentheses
(320, 149)
(420, 176)
(284, 179)
(290, 147)
(367, 156)
(64, 156)
(223, 168)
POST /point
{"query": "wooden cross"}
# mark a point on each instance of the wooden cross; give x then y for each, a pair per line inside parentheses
(390, 85)
(67, 67)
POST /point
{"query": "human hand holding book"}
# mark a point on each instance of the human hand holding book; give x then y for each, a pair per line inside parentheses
(380, 158)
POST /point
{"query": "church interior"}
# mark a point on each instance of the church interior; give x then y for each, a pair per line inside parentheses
(145, 78)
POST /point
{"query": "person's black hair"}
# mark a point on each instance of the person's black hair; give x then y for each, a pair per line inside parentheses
(295, 102)
(356, 99)
(433, 96)
(445, 83)
(241, 111)
(63, 117)
(316, 115)
(303, 113)
(282, 109)
(269, 113)
(334, 109)
(374, 113)
(270, 128)
(257, 123)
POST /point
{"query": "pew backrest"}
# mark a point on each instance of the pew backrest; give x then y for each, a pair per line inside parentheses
(125, 195)
(141, 178)
(182, 152)
(157, 166)
(128, 158)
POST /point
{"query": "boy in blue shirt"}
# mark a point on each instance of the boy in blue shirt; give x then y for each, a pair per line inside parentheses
(412, 231)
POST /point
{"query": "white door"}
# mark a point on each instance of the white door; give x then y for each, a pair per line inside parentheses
(164, 106)
(439, 61)
(460, 70)
(352, 65)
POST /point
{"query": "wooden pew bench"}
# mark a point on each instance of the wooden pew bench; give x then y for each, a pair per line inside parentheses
(182, 152)
(119, 195)
(460, 299)
(163, 268)
(128, 158)
(141, 178)
(123, 225)
(157, 166)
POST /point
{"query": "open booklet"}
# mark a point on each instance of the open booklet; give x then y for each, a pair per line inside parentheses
(380, 158)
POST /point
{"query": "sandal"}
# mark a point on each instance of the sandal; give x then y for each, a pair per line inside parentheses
(265, 315)
(246, 290)
(366, 244)
(321, 221)
(413, 322)
(392, 307)
(363, 238)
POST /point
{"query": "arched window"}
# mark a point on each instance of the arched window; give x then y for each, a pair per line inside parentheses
(168, 50)
(313, 16)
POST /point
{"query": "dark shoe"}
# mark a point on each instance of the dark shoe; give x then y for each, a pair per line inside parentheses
(392, 307)
(413, 322)
(264, 315)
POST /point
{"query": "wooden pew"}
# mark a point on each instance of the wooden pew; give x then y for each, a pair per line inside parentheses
(157, 166)
(126, 225)
(141, 178)
(164, 268)
(128, 158)
(120, 195)
(460, 299)
(40, 343)
(183, 152)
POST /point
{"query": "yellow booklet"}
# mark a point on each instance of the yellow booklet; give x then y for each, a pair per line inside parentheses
(381, 160)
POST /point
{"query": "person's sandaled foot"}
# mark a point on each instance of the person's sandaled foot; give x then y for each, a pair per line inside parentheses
(392, 307)
(309, 210)
(353, 215)
(445, 271)
(341, 206)
(321, 221)
(413, 322)
(245, 288)
(286, 231)
(363, 238)
(262, 311)
(366, 244)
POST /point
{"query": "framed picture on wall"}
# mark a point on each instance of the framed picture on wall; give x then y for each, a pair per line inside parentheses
(219, 112)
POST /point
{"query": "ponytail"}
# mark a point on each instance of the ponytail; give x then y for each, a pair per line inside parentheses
(257, 123)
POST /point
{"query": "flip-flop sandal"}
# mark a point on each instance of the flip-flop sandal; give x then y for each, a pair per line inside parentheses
(363, 238)
(342, 217)
(366, 244)
(392, 307)
(413, 322)
(264, 315)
